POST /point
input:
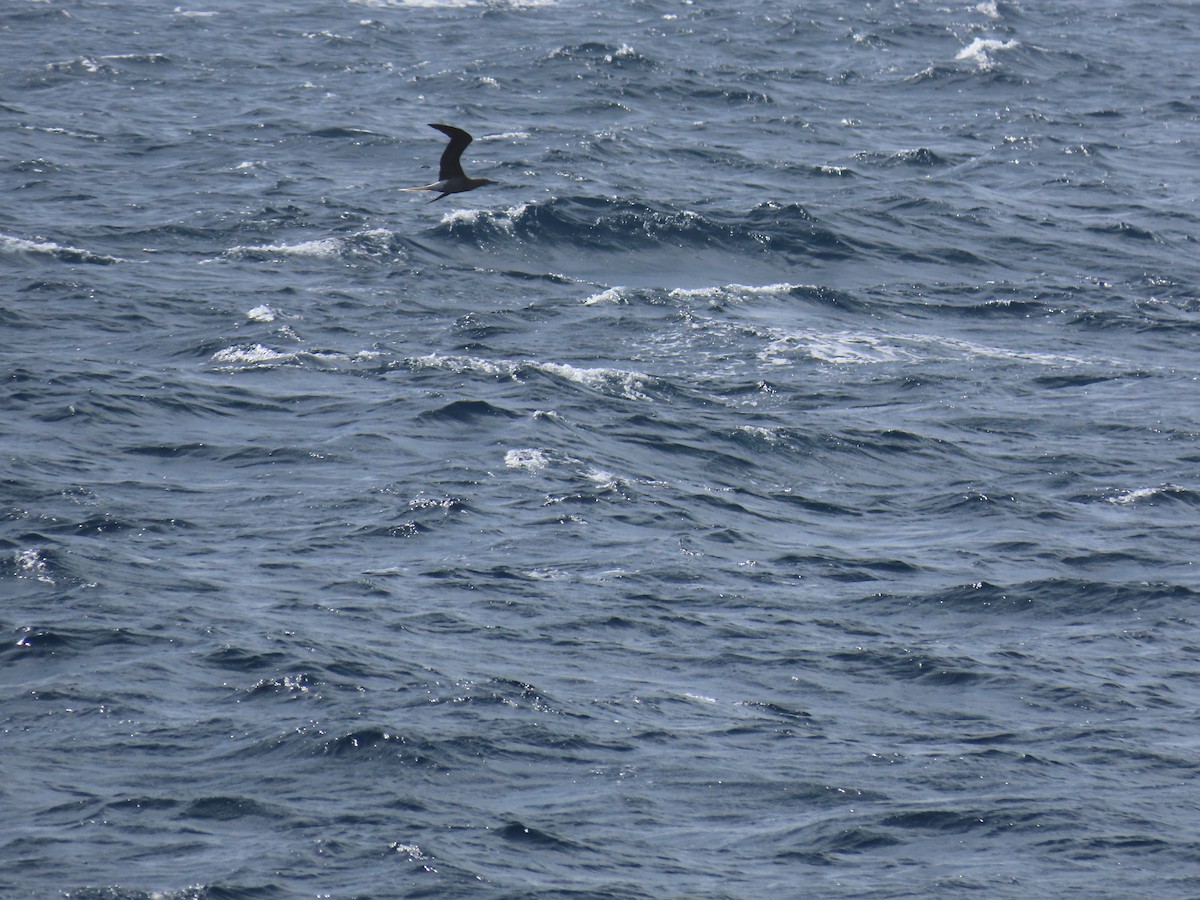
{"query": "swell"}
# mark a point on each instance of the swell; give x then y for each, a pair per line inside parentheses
(616, 225)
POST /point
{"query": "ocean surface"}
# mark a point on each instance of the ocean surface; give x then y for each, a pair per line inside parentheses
(784, 483)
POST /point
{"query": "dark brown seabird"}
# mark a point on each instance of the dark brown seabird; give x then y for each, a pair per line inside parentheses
(451, 178)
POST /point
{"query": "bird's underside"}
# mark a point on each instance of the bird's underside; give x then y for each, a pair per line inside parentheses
(451, 177)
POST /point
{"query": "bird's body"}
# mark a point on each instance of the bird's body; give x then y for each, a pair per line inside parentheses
(451, 177)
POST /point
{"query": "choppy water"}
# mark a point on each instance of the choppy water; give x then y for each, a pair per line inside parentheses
(785, 483)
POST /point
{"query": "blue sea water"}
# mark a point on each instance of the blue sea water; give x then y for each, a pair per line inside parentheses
(785, 482)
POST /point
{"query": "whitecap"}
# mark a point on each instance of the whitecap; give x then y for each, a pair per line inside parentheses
(602, 379)
(758, 431)
(250, 355)
(462, 364)
(1134, 496)
(844, 348)
(9, 244)
(31, 564)
(850, 347)
(325, 247)
(979, 51)
(731, 290)
(612, 295)
(464, 216)
(605, 481)
(529, 458)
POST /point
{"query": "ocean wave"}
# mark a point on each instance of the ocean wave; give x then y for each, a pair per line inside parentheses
(617, 55)
(20, 247)
(608, 224)
(451, 4)
(1151, 496)
(980, 51)
(248, 356)
(859, 347)
(322, 248)
(611, 381)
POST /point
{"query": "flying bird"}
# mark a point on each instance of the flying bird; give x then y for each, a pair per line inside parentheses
(451, 178)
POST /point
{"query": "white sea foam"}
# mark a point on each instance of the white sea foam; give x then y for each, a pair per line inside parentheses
(1126, 497)
(262, 313)
(325, 247)
(504, 220)
(466, 216)
(9, 244)
(856, 348)
(529, 458)
(464, 364)
(250, 355)
(731, 290)
(765, 434)
(612, 295)
(630, 384)
(844, 348)
(605, 481)
(627, 384)
(980, 51)
(31, 564)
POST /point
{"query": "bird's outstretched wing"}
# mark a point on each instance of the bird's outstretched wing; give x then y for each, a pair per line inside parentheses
(450, 166)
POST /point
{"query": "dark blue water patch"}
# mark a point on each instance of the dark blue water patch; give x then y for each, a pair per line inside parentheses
(239, 659)
(227, 808)
(694, 94)
(994, 299)
(901, 664)
(1060, 598)
(468, 412)
(1124, 230)
(595, 54)
(517, 832)
(821, 507)
(848, 569)
(784, 713)
(1139, 846)
(935, 821)
(376, 743)
(833, 842)
(1085, 379)
(35, 641)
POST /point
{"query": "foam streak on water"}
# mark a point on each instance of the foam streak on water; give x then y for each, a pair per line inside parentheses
(783, 482)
